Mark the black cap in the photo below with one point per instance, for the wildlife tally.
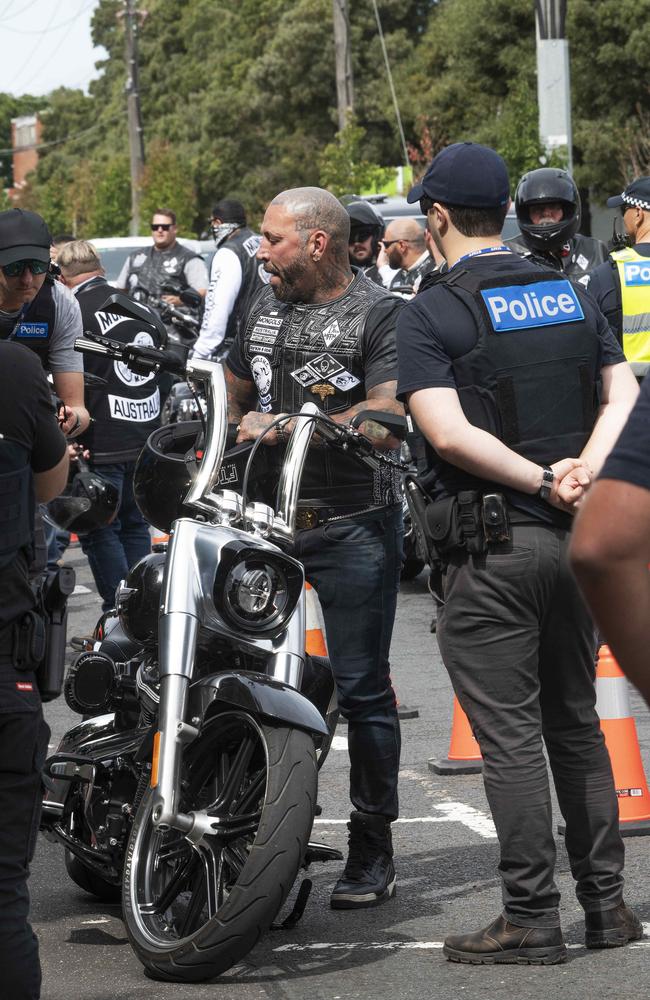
(229, 210)
(467, 175)
(637, 193)
(23, 236)
(363, 214)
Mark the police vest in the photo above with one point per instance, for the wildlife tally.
(533, 377)
(36, 326)
(245, 244)
(16, 513)
(151, 269)
(127, 408)
(314, 353)
(634, 277)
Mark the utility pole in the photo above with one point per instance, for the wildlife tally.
(344, 83)
(553, 77)
(136, 139)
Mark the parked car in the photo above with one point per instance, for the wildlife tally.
(393, 207)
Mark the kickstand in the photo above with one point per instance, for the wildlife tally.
(298, 907)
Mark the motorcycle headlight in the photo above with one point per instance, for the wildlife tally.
(257, 590)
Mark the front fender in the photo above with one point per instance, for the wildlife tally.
(257, 694)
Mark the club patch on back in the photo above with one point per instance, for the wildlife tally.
(522, 307)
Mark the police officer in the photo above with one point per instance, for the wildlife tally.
(37, 311)
(500, 363)
(235, 277)
(167, 262)
(621, 285)
(549, 211)
(324, 334)
(125, 411)
(33, 465)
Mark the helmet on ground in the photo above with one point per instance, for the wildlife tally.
(90, 502)
(538, 187)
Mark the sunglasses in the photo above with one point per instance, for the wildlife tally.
(361, 233)
(625, 208)
(166, 226)
(17, 267)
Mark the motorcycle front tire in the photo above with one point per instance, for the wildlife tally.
(244, 902)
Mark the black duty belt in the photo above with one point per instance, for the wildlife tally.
(313, 517)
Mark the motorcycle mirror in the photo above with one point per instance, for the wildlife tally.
(124, 306)
(393, 422)
(190, 297)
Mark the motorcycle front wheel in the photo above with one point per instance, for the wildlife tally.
(192, 912)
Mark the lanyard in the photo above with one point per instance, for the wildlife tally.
(479, 253)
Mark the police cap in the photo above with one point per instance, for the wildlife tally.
(465, 174)
(637, 193)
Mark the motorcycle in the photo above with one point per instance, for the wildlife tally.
(193, 793)
(181, 325)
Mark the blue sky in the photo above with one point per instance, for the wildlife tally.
(46, 44)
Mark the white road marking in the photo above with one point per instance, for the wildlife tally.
(398, 946)
(103, 920)
(340, 743)
(80, 589)
(453, 812)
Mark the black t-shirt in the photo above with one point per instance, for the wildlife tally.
(437, 327)
(629, 460)
(30, 435)
(605, 286)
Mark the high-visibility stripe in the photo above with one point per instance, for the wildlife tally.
(613, 699)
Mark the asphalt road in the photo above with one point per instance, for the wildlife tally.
(446, 858)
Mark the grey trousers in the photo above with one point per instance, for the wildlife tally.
(519, 646)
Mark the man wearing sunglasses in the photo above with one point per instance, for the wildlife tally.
(167, 262)
(407, 252)
(621, 285)
(366, 230)
(37, 311)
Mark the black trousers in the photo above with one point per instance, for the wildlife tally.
(23, 747)
(519, 646)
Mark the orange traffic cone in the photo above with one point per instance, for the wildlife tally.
(464, 753)
(619, 730)
(314, 627)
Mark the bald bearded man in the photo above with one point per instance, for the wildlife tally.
(406, 250)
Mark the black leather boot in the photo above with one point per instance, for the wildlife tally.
(508, 944)
(369, 875)
(612, 928)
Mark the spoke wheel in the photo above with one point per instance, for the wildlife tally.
(192, 911)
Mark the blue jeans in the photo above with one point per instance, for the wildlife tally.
(354, 566)
(112, 550)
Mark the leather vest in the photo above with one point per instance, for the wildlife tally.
(314, 353)
(407, 277)
(245, 244)
(35, 328)
(151, 269)
(634, 278)
(579, 257)
(127, 409)
(533, 377)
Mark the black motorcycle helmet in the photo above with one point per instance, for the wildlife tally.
(365, 221)
(138, 601)
(167, 465)
(89, 502)
(536, 188)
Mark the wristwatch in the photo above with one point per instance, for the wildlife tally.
(548, 478)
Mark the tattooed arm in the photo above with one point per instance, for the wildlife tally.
(242, 396)
(380, 397)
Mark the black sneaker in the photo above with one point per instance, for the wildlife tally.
(503, 943)
(612, 928)
(369, 875)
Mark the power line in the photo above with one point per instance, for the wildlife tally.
(390, 83)
(17, 13)
(56, 27)
(29, 61)
(67, 138)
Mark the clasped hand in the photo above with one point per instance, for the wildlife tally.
(572, 480)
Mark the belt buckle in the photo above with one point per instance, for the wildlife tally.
(306, 517)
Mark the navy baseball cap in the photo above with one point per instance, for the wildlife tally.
(23, 236)
(637, 193)
(465, 174)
